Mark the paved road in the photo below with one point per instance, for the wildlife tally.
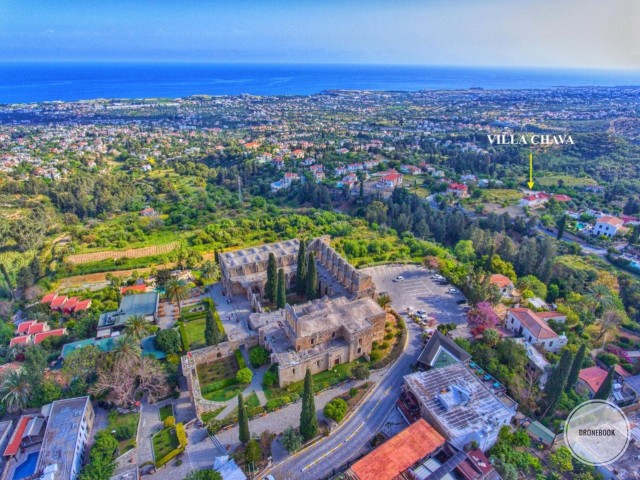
(353, 436)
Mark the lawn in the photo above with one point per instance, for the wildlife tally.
(250, 403)
(127, 422)
(223, 373)
(166, 411)
(164, 442)
(195, 332)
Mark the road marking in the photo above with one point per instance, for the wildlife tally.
(354, 432)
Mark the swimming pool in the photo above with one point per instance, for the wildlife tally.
(26, 468)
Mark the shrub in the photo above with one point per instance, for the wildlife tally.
(336, 409)
(240, 359)
(609, 359)
(125, 431)
(244, 376)
(353, 391)
(375, 355)
(270, 378)
(258, 356)
(169, 422)
(291, 440)
(218, 385)
(360, 372)
(253, 452)
(181, 434)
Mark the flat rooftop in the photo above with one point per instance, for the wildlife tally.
(61, 435)
(143, 304)
(533, 354)
(248, 256)
(329, 314)
(458, 399)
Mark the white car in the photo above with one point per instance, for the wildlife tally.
(453, 290)
(421, 312)
(399, 278)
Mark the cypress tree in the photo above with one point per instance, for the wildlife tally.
(209, 330)
(308, 418)
(311, 290)
(272, 278)
(301, 272)
(605, 389)
(243, 421)
(576, 366)
(557, 382)
(281, 290)
(561, 226)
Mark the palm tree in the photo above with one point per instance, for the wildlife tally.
(137, 327)
(600, 298)
(609, 323)
(176, 292)
(210, 270)
(126, 347)
(15, 391)
(384, 301)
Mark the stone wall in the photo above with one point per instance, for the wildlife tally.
(318, 363)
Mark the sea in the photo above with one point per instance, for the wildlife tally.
(38, 82)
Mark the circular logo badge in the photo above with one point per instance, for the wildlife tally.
(597, 432)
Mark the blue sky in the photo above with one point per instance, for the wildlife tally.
(565, 33)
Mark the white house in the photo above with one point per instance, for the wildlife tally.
(607, 226)
(504, 284)
(533, 329)
(458, 190)
(390, 180)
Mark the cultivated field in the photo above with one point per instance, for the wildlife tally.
(113, 254)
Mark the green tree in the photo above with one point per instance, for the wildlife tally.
(301, 272)
(557, 381)
(7, 279)
(137, 327)
(561, 460)
(210, 330)
(176, 292)
(308, 418)
(336, 409)
(168, 341)
(126, 347)
(561, 226)
(464, 251)
(576, 366)
(210, 270)
(292, 440)
(244, 376)
(252, 454)
(281, 291)
(311, 290)
(15, 390)
(605, 389)
(384, 301)
(272, 278)
(243, 421)
(360, 372)
(98, 468)
(258, 356)
(206, 474)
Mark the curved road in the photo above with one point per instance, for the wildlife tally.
(344, 444)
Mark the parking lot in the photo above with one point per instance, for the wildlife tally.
(418, 291)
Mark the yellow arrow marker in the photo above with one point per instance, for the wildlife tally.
(530, 183)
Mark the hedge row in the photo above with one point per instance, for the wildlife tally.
(219, 384)
(279, 402)
(181, 434)
(183, 337)
(240, 359)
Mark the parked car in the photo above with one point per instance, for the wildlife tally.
(399, 278)
(453, 290)
(421, 312)
(462, 301)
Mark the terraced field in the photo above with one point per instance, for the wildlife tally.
(113, 254)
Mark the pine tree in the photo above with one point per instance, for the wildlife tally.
(281, 290)
(311, 290)
(605, 389)
(272, 278)
(301, 272)
(561, 226)
(557, 381)
(243, 421)
(308, 418)
(576, 366)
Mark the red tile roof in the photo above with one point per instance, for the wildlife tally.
(24, 326)
(457, 186)
(82, 305)
(613, 221)
(621, 371)
(593, 376)
(562, 198)
(58, 332)
(391, 177)
(23, 340)
(399, 452)
(58, 302)
(500, 280)
(48, 298)
(16, 438)
(133, 288)
(533, 323)
(70, 304)
(37, 328)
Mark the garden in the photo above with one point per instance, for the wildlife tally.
(193, 325)
(125, 428)
(218, 380)
(169, 442)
